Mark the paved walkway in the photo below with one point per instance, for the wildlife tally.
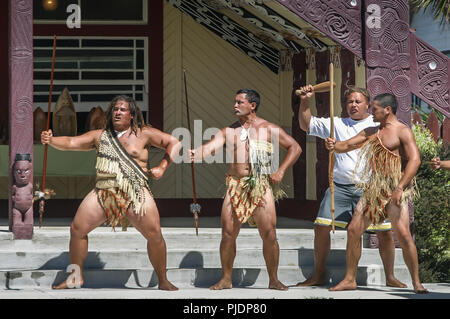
(436, 291)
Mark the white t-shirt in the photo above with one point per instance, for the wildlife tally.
(344, 129)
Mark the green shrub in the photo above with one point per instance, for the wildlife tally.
(432, 211)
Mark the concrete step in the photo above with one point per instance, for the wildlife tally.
(188, 278)
(57, 238)
(177, 258)
(119, 259)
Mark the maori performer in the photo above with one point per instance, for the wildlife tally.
(346, 194)
(253, 183)
(122, 192)
(389, 158)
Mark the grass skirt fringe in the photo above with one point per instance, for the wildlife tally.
(381, 173)
(247, 194)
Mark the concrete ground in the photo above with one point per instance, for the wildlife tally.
(436, 291)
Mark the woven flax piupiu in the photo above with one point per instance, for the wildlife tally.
(247, 192)
(381, 173)
(120, 181)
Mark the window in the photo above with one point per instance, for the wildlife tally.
(94, 12)
(94, 69)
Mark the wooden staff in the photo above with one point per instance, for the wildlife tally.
(331, 153)
(44, 170)
(194, 207)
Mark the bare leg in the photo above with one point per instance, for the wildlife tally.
(355, 230)
(322, 246)
(149, 226)
(266, 220)
(387, 253)
(89, 216)
(400, 223)
(230, 230)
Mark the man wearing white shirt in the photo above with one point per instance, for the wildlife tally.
(346, 196)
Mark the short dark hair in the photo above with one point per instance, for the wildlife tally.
(251, 95)
(354, 89)
(387, 99)
(136, 122)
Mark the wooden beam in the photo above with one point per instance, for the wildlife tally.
(306, 27)
(262, 35)
(286, 34)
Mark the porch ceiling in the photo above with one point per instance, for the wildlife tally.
(262, 29)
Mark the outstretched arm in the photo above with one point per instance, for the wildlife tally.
(350, 144)
(436, 163)
(84, 142)
(210, 147)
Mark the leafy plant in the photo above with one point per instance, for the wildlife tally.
(439, 8)
(432, 210)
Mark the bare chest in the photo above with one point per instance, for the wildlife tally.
(390, 140)
(134, 146)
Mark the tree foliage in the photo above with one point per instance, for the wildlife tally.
(432, 210)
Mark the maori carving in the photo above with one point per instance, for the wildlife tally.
(348, 76)
(340, 20)
(388, 52)
(20, 113)
(64, 116)
(430, 75)
(22, 196)
(261, 44)
(96, 119)
(230, 31)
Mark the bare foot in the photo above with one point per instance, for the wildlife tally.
(167, 285)
(69, 284)
(313, 281)
(394, 282)
(344, 285)
(277, 285)
(419, 289)
(222, 284)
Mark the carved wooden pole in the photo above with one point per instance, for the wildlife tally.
(20, 113)
(387, 57)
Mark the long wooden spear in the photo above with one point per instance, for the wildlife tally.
(195, 207)
(44, 170)
(331, 153)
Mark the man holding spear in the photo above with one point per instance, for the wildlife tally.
(252, 182)
(346, 196)
(121, 192)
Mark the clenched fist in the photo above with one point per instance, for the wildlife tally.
(46, 137)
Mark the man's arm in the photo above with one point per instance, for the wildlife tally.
(304, 112)
(84, 142)
(412, 154)
(164, 141)
(210, 147)
(293, 152)
(350, 144)
(436, 163)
